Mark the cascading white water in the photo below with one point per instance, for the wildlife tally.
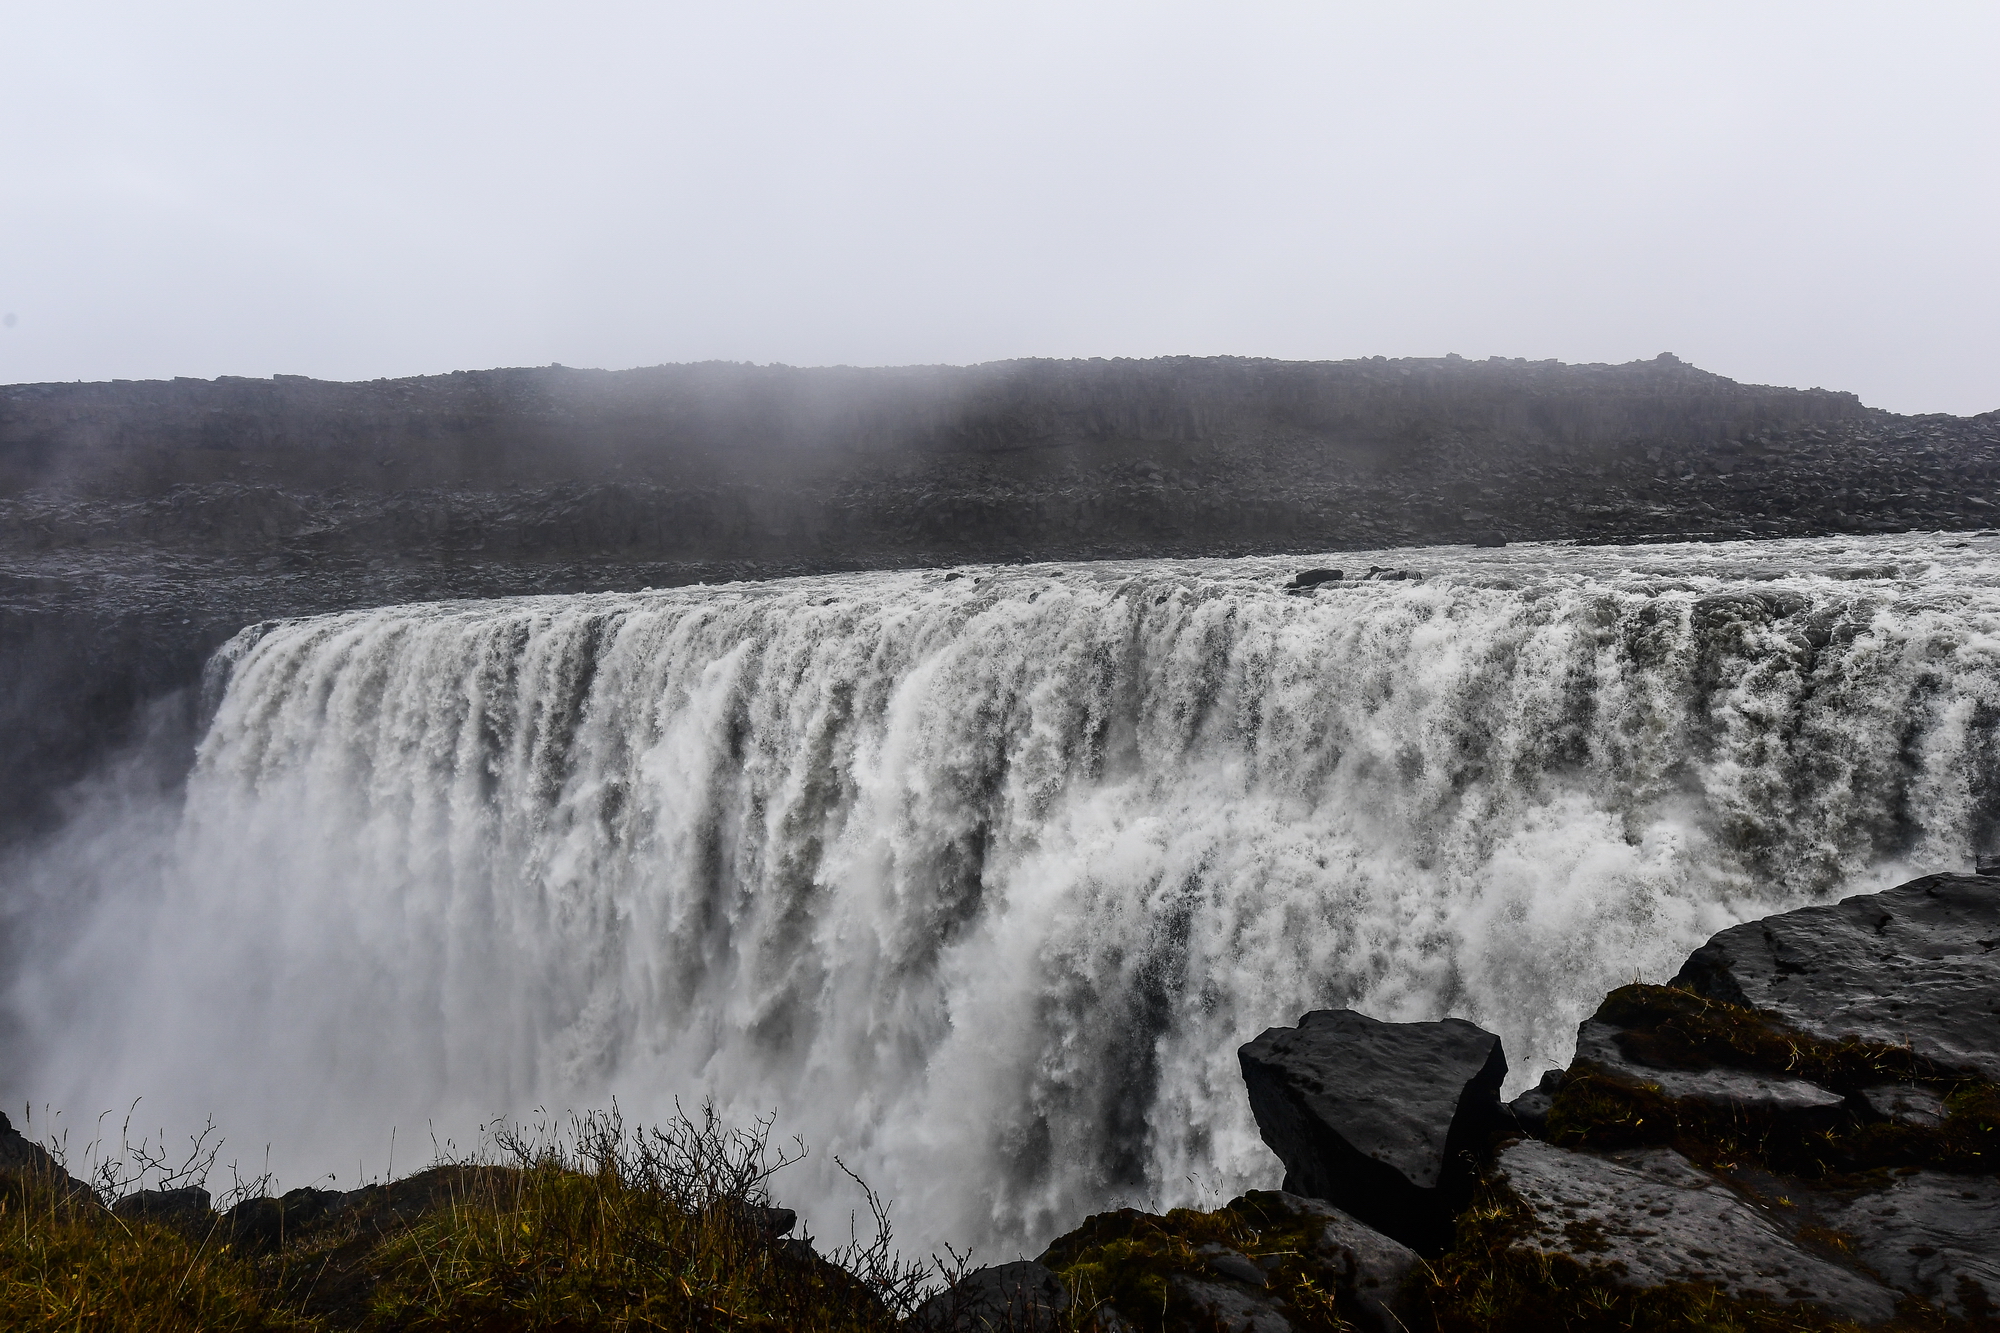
(978, 882)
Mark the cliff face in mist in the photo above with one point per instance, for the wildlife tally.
(729, 462)
(143, 522)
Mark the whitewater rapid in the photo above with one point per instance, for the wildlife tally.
(977, 880)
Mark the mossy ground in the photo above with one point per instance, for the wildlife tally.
(66, 1263)
(1127, 1260)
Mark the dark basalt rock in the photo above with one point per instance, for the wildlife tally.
(186, 1208)
(1917, 965)
(1646, 1218)
(1933, 1235)
(1383, 1120)
(1530, 1110)
(1006, 1298)
(1369, 1270)
(261, 1226)
(1308, 579)
(1900, 1104)
(1268, 1262)
(1767, 1096)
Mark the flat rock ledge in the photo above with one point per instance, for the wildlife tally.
(1648, 1217)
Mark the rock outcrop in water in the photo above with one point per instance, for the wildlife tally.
(141, 523)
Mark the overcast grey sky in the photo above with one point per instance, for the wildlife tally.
(1788, 193)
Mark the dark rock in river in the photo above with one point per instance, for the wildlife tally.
(1918, 965)
(1308, 579)
(1383, 1120)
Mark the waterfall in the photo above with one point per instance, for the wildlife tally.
(978, 880)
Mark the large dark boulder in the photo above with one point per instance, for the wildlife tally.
(264, 1225)
(1382, 1120)
(1917, 965)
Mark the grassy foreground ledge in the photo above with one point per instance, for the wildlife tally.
(596, 1229)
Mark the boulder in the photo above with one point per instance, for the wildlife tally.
(1307, 579)
(1006, 1298)
(186, 1208)
(262, 1225)
(1383, 1120)
(1226, 1307)
(1531, 1109)
(1916, 965)
(1267, 1262)
(1647, 1218)
(1367, 1271)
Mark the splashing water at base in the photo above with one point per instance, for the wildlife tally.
(979, 882)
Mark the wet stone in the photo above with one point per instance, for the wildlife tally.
(1902, 1104)
(1715, 1087)
(1917, 965)
(1382, 1120)
(1647, 1218)
(1934, 1235)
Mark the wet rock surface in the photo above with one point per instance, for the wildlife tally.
(1647, 1218)
(1380, 1119)
(1918, 965)
(1933, 1235)
(1717, 1088)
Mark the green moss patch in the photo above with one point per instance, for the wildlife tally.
(1127, 1260)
